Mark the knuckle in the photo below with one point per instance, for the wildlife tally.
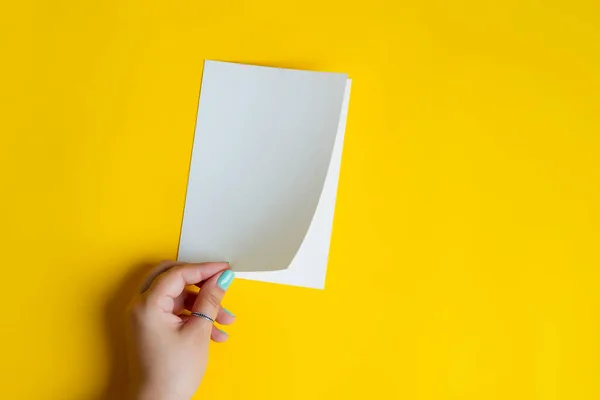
(149, 299)
(211, 298)
(176, 268)
(148, 302)
(138, 311)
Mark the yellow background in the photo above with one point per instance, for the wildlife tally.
(465, 254)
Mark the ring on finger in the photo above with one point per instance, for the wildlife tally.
(200, 315)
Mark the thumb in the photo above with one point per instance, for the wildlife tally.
(208, 303)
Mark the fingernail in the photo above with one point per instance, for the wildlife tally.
(225, 279)
(222, 331)
(228, 312)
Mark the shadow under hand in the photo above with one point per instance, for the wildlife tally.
(116, 328)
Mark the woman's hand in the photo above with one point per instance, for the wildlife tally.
(171, 346)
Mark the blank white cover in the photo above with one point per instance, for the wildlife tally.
(309, 267)
(263, 144)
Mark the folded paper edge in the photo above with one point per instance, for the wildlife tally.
(320, 228)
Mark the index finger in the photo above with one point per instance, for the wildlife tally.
(172, 282)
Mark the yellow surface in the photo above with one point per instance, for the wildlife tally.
(465, 254)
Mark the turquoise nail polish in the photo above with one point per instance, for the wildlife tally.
(225, 279)
(228, 312)
(222, 331)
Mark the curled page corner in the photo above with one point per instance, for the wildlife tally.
(263, 145)
(309, 266)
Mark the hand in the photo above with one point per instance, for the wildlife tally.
(170, 346)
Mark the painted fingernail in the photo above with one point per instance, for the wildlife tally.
(225, 279)
(228, 312)
(222, 331)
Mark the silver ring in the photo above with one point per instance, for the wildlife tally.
(206, 317)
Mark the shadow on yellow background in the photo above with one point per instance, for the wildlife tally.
(119, 385)
(464, 258)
